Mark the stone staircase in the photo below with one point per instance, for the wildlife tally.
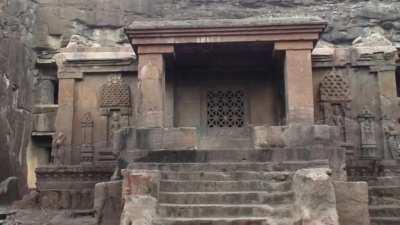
(384, 204)
(210, 189)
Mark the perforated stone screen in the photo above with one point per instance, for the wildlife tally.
(225, 108)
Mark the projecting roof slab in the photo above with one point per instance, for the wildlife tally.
(227, 30)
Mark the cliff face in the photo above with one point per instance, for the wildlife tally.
(16, 78)
(101, 20)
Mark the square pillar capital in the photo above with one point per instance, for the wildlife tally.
(155, 49)
(293, 45)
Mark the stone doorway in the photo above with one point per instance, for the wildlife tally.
(223, 89)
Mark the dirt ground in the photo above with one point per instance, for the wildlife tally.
(47, 217)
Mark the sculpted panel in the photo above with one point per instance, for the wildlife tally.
(335, 95)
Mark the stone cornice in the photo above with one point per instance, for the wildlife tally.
(220, 31)
(74, 62)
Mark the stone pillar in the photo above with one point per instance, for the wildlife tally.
(389, 108)
(151, 85)
(298, 81)
(65, 115)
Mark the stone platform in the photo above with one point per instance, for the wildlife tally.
(70, 187)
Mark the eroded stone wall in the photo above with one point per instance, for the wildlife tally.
(17, 19)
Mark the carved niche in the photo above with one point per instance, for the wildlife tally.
(87, 147)
(368, 137)
(115, 104)
(335, 96)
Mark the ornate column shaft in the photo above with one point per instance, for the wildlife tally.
(151, 85)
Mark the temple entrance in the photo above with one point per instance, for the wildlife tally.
(222, 89)
(229, 85)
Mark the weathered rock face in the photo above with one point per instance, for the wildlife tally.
(315, 197)
(107, 202)
(101, 21)
(352, 203)
(8, 190)
(17, 20)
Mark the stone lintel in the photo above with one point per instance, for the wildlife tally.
(225, 31)
(293, 45)
(155, 49)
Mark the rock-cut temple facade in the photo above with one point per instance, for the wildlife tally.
(222, 122)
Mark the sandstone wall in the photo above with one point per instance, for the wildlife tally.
(17, 19)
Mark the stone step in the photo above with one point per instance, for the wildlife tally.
(222, 210)
(385, 220)
(374, 201)
(384, 211)
(226, 198)
(223, 155)
(224, 221)
(230, 166)
(233, 175)
(384, 191)
(223, 186)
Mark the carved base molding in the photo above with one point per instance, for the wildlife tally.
(69, 187)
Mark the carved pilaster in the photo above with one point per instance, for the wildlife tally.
(368, 135)
(87, 147)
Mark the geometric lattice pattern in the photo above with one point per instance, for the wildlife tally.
(335, 88)
(115, 93)
(225, 109)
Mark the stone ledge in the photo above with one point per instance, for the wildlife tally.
(222, 23)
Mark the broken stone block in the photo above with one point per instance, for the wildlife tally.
(139, 190)
(315, 197)
(108, 202)
(140, 182)
(139, 210)
(352, 203)
(9, 191)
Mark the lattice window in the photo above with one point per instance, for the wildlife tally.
(335, 87)
(115, 93)
(225, 109)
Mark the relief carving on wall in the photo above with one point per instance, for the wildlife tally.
(115, 104)
(87, 147)
(335, 97)
(392, 138)
(368, 135)
(58, 149)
